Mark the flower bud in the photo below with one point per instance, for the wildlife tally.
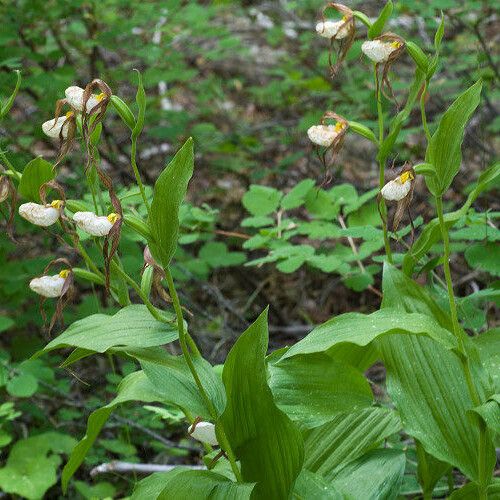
(325, 135)
(379, 51)
(74, 97)
(50, 286)
(204, 432)
(399, 188)
(96, 225)
(54, 128)
(41, 215)
(331, 29)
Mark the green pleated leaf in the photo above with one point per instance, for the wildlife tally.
(311, 389)
(134, 387)
(361, 329)
(471, 492)
(311, 486)
(374, 476)
(426, 382)
(266, 442)
(169, 191)
(132, 326)
(204, 485)
(444, 149)
(429, 469)
(345, 438)
(488, 344)
(35, 173)
(378, 26)
(173, 379)
(490, 412)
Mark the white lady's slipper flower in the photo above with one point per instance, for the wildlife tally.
(330, 29)
(41, 215)
(325, 135)
(96, 225)
(74, 96)
(204, 432)
(50, 286)
(379, 51)
(53, 127)
(399, 188)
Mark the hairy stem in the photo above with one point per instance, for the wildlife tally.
(422, 112)
(187, 356)
(133, 162)
(381, 181)
(461, 339)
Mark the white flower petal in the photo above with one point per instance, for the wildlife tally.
(40, 215)
(96, 225)
(205, 432)
(378, 51)
(322, 135)
(396, 190)
(53, 127)
(48, 286)
(74, 96)
(329, 29)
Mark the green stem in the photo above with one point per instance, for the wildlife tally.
(423, 114)
(461, 339)
(4, 158)
(133, 154)
(187, 356)
(381, 165)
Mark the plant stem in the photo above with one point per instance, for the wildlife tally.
(133, 154)
(4, 158)
(187, 356)
(423, 114)
(461, 339)
(381, 165)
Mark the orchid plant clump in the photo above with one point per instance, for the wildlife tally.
(300, 422)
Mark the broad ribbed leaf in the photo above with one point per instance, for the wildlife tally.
(375, 476)
(266, 442)
(490, 412)
(37, 172)
(171, 376)
(426, 382)
(444, 149)
(311, 389)
(134, 387)
(169, 191)
(311, 486)
(361, 329)
(132, 326)
(330, 447)
(204, 485)
(378, 26)
(488, 344)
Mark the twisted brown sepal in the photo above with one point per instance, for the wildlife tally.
(70, 124)
(63, 298)
(97, 112)
(344, 43)
(386, 66)
(7, 184)
(158, 275)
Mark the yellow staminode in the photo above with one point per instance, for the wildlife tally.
(339, 126)
(396, 45)
(57, 204)
(113, 217)
(406, 176)
(100, 96)
(64, 273)
(69, 114)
